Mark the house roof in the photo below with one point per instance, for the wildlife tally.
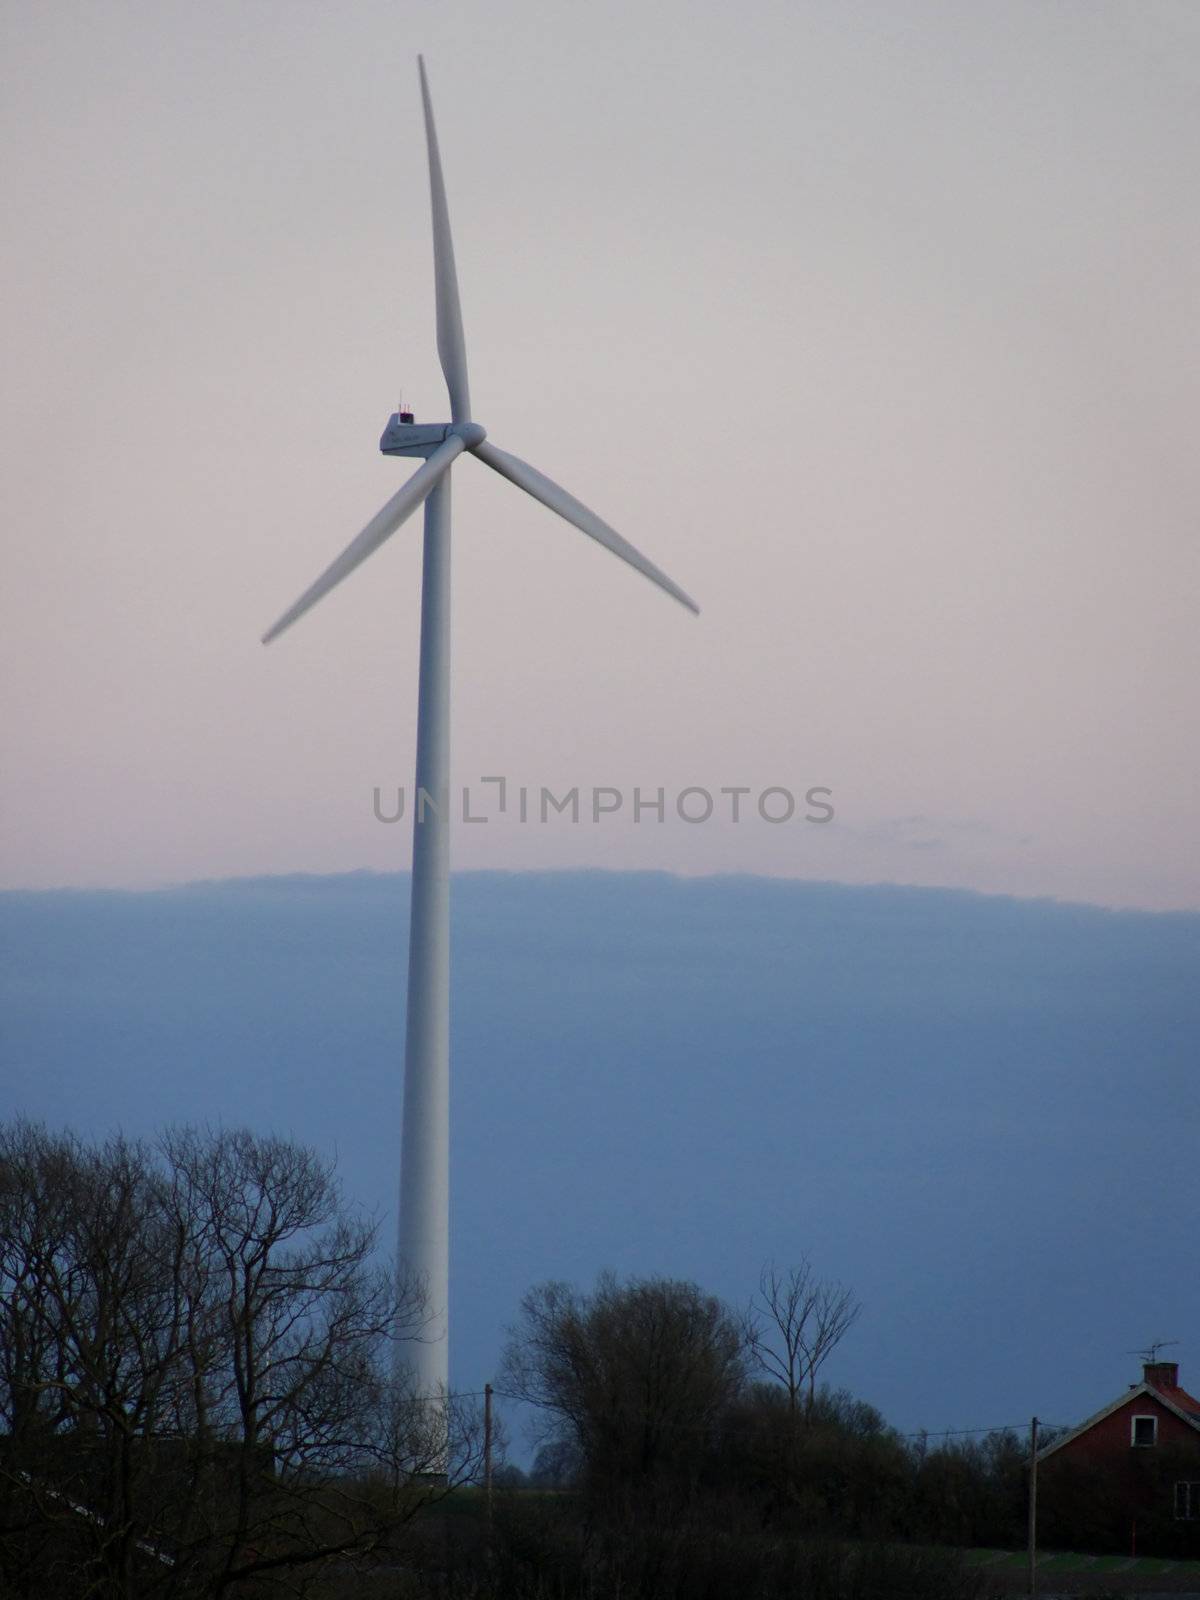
(1176, 1400)
(1179, 1397)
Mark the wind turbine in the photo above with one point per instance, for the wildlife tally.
(424, 1233)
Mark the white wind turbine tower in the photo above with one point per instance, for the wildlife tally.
(424, 1236)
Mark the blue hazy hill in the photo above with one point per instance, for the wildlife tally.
(979, 1112)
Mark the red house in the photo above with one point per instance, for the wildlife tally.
(1129, 1477)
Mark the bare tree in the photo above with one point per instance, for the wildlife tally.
(91, 1314)
(197, 1376)
(794, 1324)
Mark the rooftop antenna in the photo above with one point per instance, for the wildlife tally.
(424, 1240)
(1150, 1353)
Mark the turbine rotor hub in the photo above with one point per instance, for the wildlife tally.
(471, 433)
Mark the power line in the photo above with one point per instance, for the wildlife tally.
(694, 1427)
(1003, 1427)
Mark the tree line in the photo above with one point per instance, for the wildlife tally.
(203, 1393)
(661, 1404)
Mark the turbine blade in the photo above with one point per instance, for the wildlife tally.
(381, 526)
(451, 346)
(541, 488)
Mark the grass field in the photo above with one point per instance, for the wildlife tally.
(1051, 1563)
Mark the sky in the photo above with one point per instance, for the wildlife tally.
(876, 325)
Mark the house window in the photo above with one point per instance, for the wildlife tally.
(1187, 1502)
(1143, 1431)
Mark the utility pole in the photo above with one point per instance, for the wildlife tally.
(1033, 1438)
(487, 1456)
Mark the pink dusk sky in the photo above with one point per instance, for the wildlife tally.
(876, 325)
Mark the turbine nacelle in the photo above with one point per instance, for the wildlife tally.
(402, 438)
